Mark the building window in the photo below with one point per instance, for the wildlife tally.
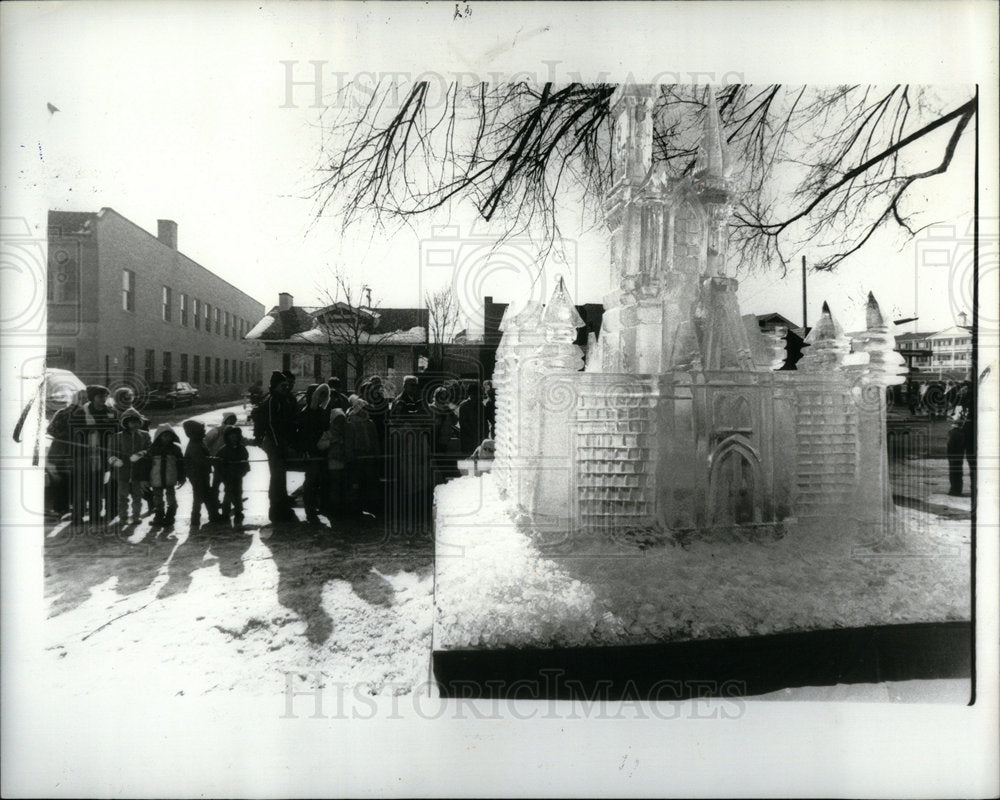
(128, 290)
(150, 371)
(196, 367)
(167, 368)
(167, 304)
(129, 360)
(184, 366)
(208, 369)
(226, 328)
(184, 310)
(218, 370)
(390, 362)
(225, 370)
(63, 276)
(208, 317)
(286, 362)
(196, 313)
(218, 320)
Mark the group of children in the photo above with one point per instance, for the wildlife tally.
(212, 459)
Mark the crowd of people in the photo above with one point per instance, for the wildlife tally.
(368, 452)
(363, 453)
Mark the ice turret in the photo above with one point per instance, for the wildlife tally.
(886, 367)
(712, 163)
(827, 345)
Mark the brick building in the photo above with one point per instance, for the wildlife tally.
(126, 307)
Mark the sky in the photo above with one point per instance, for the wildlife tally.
(180, 111)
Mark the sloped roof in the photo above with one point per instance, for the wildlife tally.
(299, 324)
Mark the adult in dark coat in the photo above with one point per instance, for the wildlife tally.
(275, 430)
(59, 458)
(313, 423)
(961, 445)
(91, 428)
(472, 424)
(410, 433)
(337, 398)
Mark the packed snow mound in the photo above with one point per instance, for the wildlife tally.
(501, 591)
(499, 585)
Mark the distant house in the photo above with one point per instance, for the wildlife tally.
(317, 342)
(915, 348)
(945, 354)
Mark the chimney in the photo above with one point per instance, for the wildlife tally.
(166, 232)
(284, 301)
(963, 319)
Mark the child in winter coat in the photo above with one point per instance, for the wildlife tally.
(332, 444)
(198, 468)
(232, 462)
(166, 473)
(213, 441)
(129, 459)
(361, 454)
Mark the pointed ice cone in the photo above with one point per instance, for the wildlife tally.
(826, 329)
(873, 314)
(560, 310)
(712, 162)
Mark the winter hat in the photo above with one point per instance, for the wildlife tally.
(288, 376)
(277, 377)
(231, 432)
(229, 419)
(131, 413)
(95, 389)
(163, 428)
(320, 397)
(195, 430)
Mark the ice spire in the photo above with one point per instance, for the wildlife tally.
(560, 317)
(827, 344)
(886, 367)
(712, 163)
(873, 314)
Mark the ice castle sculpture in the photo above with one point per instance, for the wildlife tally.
(679, 419)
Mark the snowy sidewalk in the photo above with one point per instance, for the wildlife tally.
(183, 612)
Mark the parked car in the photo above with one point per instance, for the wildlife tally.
(61, 387)
(172, 394)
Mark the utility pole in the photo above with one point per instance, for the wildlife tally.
(805, 323)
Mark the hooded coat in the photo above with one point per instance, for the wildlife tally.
(213, 439)
(91, 430)
(314, 420)
(197, 464)
(126, 445)
(232, 461)
(332, 441)
(167, 461)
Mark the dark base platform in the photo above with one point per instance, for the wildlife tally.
(711, 668)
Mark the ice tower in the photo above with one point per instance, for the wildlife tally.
(679, 419)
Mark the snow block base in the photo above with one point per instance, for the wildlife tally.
(712, 668)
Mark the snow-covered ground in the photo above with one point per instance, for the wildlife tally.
(499, 586)
(193, 613)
